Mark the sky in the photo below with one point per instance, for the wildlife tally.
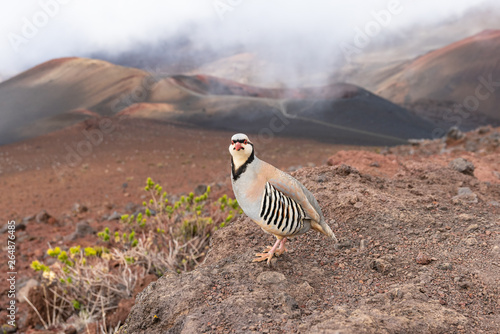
(32, 32)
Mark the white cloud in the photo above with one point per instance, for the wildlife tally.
(293, 27)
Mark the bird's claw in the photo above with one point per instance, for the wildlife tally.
(262, 257)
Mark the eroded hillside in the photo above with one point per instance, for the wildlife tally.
(419, 252)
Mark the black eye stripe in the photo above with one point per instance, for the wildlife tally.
(240, 141)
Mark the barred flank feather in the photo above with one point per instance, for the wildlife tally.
(281, 212)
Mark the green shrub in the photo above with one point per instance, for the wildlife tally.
(82, 282)
(189, 221)
(167, 237)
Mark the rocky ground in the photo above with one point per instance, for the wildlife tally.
(68, 205)
(419, 252)
(419, 231)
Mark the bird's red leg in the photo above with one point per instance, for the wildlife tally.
(267, 256)
(282, 248)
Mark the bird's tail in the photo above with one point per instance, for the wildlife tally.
(323, 227)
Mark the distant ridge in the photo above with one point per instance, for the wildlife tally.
(452, 73)
(62, 92)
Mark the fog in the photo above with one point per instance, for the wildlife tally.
(300, 35)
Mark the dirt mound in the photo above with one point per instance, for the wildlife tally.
(481, 147)
(415, 256)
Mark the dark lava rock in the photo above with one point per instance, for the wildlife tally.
(454, 133)
(344, 244)
(80, 208)
(83, 229)
(200, 189)
(380, 265)
(114, 216)
(345, 170)
(463, 166)
(445, 266)
(465, 195)
(42, 217)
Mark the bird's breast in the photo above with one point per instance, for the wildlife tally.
(248, 192)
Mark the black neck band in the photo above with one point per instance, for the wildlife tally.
(237, 173)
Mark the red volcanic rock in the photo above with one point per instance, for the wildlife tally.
(423, 259)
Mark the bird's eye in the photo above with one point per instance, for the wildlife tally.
(245, 142)
(232, 142)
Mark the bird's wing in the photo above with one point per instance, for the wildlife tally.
(292, 188)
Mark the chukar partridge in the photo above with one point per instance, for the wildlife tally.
(276, 201)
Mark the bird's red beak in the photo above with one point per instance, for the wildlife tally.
(237, 146)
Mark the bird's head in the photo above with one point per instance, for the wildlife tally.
(241, 148)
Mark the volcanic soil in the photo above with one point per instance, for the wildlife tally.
(419, 252)
(419, 247)
(41, 174)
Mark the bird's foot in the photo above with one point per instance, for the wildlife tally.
(279, 251)
(267, 255)
(263, 256)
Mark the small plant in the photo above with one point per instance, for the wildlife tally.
(76, 304)
(163, 237)
(37, 266)
(185, 224)
(84, 283)
(126, 240)
(54, 252)
(104, 235)
(90, 251)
